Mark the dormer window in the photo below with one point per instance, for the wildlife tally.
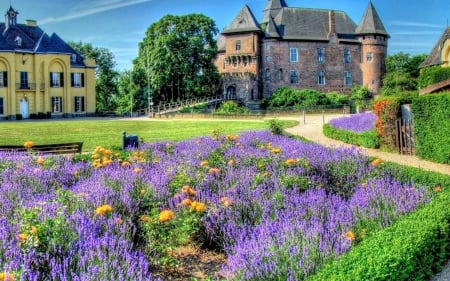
(18, 41)
(74, 58)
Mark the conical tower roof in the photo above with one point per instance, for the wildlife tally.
(272, 8)
(243, 22)
(371, 23)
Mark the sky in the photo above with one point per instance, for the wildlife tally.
(119, 25)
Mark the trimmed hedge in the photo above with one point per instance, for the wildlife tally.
(367, 139)
(433, 74)
(414, 248)
(432, 127)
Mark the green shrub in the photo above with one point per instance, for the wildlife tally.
(432, 127)
(367, 139)
(231, 107)
(432, 75)
(413, 248)
(275, 127)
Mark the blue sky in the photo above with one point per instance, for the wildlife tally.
(119, 25)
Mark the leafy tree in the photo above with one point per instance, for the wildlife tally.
(176, 58)
(106, 76)
(402, 72)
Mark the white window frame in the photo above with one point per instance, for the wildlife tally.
(293, 54)
(348, 78)
(321, 80)
(369, 57)
(320, 55)
(57, 104)
(347, 56)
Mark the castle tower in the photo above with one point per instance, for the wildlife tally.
(374, 40)
(238, 58)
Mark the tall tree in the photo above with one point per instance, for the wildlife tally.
(176, 58)
(106, 76)
(402, 72)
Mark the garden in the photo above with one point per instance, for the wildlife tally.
(277, 207)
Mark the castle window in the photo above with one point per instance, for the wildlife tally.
(56, 104)
(74, 58)
(79, 104)
(320, 54)
(293, 76)
(267, 74)
(347, 78)
(347, 57)
(267, 58)
(280, 74)
(3, 79)
(321, 78)
(369, 57)
(77, 80)
(293, 55)
(1, 105)
(56, 79)
(238, 45)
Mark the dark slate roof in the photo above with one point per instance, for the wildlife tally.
(243, 22)
(434, 58)
(371, 23)
(312, 24)
(34, 40)
(272, 8)
(271, 29)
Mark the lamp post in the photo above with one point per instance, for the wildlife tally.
(131, 93)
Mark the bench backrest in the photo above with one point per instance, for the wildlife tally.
(57, 148)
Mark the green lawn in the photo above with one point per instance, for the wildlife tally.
(108, 133)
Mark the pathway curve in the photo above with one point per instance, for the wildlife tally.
(310, 127)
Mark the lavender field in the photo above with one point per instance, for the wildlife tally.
(277, 207)
(358, 123)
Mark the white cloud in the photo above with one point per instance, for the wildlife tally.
(416, 24)
(86, 8)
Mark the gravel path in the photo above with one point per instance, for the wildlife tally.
(310, 127)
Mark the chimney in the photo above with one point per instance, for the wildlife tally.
(31, 22)
(331, 22)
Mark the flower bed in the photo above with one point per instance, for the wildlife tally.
(358, 129)
(278, 207)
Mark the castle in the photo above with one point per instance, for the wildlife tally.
(300, 48)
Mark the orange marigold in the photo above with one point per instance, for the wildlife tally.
(22, 237)
(28, 144)
(166, 215)
(103, 210)
(40, 160)
(214, 171)
(186, 202)
(6, 276)
(290, 161)
(204, 163)
(350, 235)
(376, 162)
(198, 207)
(226, 201)
(145, 218)
(437, 188)
(275, 150)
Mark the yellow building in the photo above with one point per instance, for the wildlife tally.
(41, 76)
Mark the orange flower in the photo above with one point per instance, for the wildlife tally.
(40, 160)
(275, 150)
(376, 162)
(198, 207)
(119, 221)
(187, 189)
(6, 276)
(125, 164)
(437, 188)
(143, 191)
(186, 202)
(137, 170)
(145, 218)
(204, 163)
(22, 237)
(226, 201)
(28, 144)
(103, 210)
(350, 235)
(33, 230)
(214, 171)
(166, 215)
(290, 161)
(231, 162)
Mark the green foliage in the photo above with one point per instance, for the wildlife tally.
(402, 72)
(275, 126)
(231, 107)
(106, 76)
(199, 108)
(432, 75)
(306, 98)
(432, 127)
(367, 139)
(407, 250)
(176, 56)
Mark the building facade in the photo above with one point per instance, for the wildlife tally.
(300, 48)
(41, 76)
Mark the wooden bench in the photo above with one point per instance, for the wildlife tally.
(58, 148)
